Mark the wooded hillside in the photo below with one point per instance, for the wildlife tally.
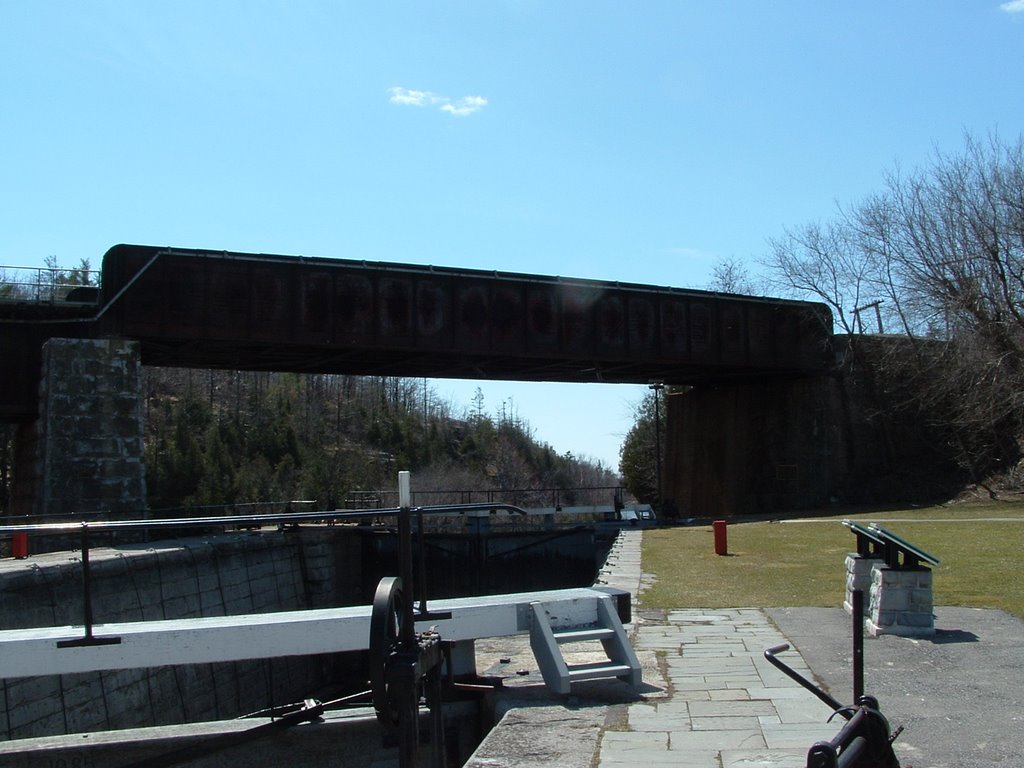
(224, 437)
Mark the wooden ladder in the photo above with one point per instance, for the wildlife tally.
(556, 623)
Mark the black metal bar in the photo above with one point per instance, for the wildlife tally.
(214, 521)
(792, 673)
(846, 748)
(892, 554)
(854, 727)
(408, 731)
(858, 645)
(422, 561)
(407, 635)
(311, 711)
(84, 529)
(434, 703)
(656, 387)
(850, 757)
(422, 614)
(88, 638)
(86, 584)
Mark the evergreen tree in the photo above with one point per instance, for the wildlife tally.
(638, 459)
(242, 437)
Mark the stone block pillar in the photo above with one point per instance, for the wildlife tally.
(901, 601)
(858, 576)
(89, 447)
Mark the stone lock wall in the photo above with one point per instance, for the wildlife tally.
(220, 575)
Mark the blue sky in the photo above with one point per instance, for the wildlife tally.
(642, 142)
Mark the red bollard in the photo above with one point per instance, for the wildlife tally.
(19, 545)
(721, 538)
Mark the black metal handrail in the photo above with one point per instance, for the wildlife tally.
(86, 529)
(557, 495)
(47, 285)
(102, 526)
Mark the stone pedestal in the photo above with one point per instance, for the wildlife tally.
(901, 602)
(858, 576)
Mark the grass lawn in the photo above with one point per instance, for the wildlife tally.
(801, 562)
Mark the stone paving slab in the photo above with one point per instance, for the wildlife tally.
(958, 693)
(718, 701)
(709, 698)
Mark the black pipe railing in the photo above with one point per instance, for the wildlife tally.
(87, 530)
(49, 285)
(555, 497)
(282, 518)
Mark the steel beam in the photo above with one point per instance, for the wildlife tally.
(261, 311)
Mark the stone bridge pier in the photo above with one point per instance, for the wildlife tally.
(732, 448)
(84, 452)
(752, 446)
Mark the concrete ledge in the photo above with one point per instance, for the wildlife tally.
(344, 739)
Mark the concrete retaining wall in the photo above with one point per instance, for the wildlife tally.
(240, 573)
(339, 739)
(220, 575)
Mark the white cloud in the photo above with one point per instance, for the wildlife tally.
(1014, 6)
(412, 98)
(409, 97)
(465, 106)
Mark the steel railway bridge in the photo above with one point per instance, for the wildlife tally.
(216, 309)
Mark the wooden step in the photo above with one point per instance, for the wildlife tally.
(603, 624)
(584, 634)
(598, 671)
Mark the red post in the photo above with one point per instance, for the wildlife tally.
(721, 538)
(19, 545)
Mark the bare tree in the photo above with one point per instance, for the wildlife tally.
(822, 262)
(940, 253)
(731, 276)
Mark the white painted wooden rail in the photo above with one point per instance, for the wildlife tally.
(35, 652)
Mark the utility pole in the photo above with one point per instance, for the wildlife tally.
(656, 387)
(875, 305)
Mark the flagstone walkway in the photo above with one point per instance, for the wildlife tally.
(709, 698)
(724, 705)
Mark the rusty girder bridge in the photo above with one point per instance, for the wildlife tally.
(216, 309)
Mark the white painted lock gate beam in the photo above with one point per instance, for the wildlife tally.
(35, 652)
